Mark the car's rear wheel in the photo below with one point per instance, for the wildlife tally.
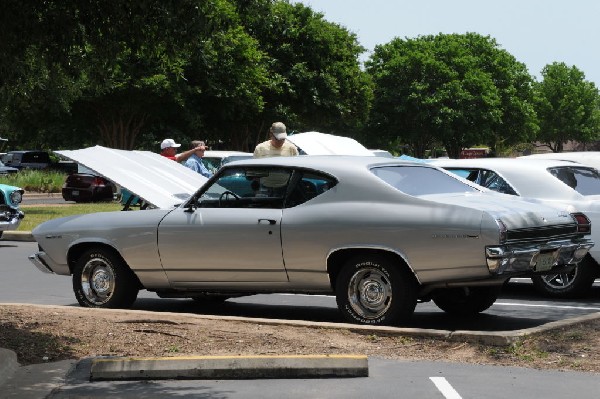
(466, 301)
(102, 280)
(568, 285)
(374, 290)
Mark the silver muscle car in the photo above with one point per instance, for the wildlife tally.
(380, 234)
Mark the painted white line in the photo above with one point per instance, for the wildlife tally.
(445, 388)
(532, 305)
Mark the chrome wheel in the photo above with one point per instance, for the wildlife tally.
(97, 281)
(560, 281)
(370, 293)
(573, 284)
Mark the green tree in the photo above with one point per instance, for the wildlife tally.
(459, 90)
(315, 79)
(567, 106)
(112, 71)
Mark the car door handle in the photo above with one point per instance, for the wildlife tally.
(270, 221)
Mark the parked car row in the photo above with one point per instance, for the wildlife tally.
(378, 233)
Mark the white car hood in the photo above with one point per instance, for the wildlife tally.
(315, 143)
(158, 180)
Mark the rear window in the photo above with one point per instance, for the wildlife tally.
(586, 181)
(35, 157)
(419, 180)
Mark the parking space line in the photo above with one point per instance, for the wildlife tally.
(445, 388)
(533, 305)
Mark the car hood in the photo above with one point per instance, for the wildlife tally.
(159, 181)
(315, 143)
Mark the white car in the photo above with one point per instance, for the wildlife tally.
(213, 160)
(568, 184)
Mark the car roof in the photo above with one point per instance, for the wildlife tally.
(589, 158)
(529, 177)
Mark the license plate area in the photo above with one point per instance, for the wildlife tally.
(544, 262)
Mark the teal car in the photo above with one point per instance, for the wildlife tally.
(10, 214)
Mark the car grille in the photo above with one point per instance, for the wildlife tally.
(538, 233)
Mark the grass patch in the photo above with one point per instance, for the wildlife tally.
(42, 181)
(36, 214)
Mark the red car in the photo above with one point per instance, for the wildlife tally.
(87, 186)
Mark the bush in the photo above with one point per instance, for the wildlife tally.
(43, 181)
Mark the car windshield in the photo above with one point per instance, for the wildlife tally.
(419, 180)
(212, 163)
(586, 181)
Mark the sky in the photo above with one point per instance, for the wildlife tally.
(535, 32)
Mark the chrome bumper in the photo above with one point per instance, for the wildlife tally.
(514, 258)
(39, 263)
(10, 221)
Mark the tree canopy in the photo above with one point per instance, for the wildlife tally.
(567, 105)
(125, 74)
(459, 90)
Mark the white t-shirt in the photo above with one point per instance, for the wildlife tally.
(266, 149)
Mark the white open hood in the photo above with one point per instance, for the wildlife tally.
(158, 180)
(315, 143)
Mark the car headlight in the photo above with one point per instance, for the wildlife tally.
(16, 197)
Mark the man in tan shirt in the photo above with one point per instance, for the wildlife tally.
(277, 146)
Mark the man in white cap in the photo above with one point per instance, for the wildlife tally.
(277, 146)
(168, 149)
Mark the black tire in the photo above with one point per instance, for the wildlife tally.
(374, 290)
(466, 301)
(102, 280)
(574, 284)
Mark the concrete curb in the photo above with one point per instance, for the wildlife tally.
(8, 364)
(17, 236)
(229, 367)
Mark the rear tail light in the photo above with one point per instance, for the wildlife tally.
(503, 230)
(584, 225)
(98, 181)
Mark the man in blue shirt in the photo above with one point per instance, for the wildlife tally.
(194, 162)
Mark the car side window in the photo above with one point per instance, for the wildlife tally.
(247, 187)
(586, 181)
(306, 186)
(486, 178)
(495, 182)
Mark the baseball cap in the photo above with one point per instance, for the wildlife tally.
(278, 130)
(166, 143)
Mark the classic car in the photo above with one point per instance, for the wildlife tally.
(570, 185)
(378, 233)
(10, 214)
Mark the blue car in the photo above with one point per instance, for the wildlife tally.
(10, 214)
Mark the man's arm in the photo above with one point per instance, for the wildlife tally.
(183, 156)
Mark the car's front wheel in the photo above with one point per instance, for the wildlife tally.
(374, 290)
(102, 280)
(568, 285)
(466, 301)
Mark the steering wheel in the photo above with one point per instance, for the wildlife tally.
(226, 195)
